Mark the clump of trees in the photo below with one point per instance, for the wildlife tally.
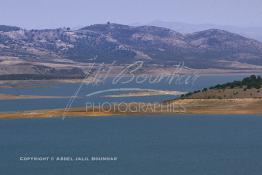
(248, 83)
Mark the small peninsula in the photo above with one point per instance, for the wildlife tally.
(249, 87)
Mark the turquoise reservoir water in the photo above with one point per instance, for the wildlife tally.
(144, 145)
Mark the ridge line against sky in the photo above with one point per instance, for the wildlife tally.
(39, 14)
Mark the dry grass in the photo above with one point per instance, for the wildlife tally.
(17, 97)
(227, 94)
(185, 106)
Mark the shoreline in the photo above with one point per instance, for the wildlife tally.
(183, 106)
(153, 71)
(24, 97)
(6, 84)
(146, 92)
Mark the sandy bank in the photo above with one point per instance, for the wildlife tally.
(186, 106)
(18, 97)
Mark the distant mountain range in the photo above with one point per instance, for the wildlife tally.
(212, 48)
(249, 32)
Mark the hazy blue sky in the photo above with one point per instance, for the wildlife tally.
(74, 13)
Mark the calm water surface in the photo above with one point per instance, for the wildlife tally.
(144, 145)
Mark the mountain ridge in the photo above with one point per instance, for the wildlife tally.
(106, 43)
(253, 32)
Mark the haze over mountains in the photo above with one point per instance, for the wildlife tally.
(249, 32)
(212, 48)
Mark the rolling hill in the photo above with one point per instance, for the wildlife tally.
(105, 43)
(249, 87)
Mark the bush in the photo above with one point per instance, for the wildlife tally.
(204, 90)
